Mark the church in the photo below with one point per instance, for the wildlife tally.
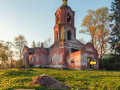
(67, 51)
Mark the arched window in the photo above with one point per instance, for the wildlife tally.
(68, 18)
(58, 19)
(56, 35)
(69, 35)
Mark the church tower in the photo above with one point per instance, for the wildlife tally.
(64, 29)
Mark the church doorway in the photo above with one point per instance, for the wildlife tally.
(89, 59)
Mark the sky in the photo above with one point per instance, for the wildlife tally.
(35, 19)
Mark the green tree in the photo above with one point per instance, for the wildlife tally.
(115, 34)
(96, 24)
(4, 58)
(19, 43)
(5, 51)
(33, 44)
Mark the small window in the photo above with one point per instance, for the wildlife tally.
(58, 20)
(72, 61)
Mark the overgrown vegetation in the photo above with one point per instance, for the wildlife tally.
(81, 80)
(111, 62)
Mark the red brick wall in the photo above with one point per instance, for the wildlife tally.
(41, 56)
(56, 56)
(89, 51)
(76, 57)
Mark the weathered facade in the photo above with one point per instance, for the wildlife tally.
(66, 51)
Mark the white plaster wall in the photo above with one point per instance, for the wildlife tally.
(57, 58)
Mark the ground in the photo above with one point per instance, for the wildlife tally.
(79, 80)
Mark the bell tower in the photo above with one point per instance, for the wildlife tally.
(64, 29)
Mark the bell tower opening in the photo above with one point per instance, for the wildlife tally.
(64, 17)
(68, 18)
(56, 35)
(57, 20)
(69, 35)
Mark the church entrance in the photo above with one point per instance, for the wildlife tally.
(89, 59)
(69, 35)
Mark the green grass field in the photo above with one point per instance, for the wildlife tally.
(77, 80)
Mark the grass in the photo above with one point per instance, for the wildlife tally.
(81, 80)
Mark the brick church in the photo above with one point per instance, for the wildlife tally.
(67, 51)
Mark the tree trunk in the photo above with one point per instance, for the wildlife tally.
(20, 58)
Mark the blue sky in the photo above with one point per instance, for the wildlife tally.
(35, 19)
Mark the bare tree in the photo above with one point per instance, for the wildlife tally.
(48, 42)
(38, 44)
(20, 42)
(96, 24)
(5, 50)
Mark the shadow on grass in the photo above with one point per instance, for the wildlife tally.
(32, 87)
(14, 73)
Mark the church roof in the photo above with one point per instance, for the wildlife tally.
(63, 7)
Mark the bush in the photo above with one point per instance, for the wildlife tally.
(31, 65)
(110, 63)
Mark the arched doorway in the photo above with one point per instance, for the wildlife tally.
(89, 59)
(69, 35)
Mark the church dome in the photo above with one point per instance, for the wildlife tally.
(64, 7)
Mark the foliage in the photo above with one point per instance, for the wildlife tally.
(16, 63)
(5, 53)
(111, 62)
(115, 34)
(81, 80)
(96, 24)
(4, 58)
(19, 43)
(33, 44)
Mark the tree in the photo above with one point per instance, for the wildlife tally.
(82, 40)
(4, 58)
(5, 49)
(47, 42)
(19, 43)
(38, 44)
(96, 24)
(33, 44)
(115, 34)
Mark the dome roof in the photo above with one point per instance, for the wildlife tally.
(63, 7)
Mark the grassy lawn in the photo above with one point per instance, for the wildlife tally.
(80, 80)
